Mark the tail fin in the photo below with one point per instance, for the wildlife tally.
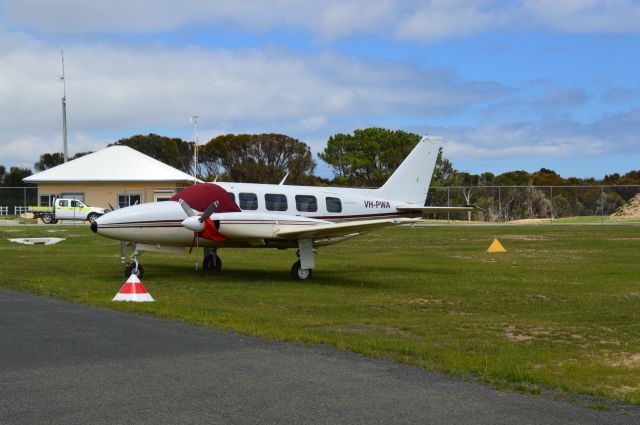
(410, 182)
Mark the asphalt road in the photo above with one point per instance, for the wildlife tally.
(69, 364)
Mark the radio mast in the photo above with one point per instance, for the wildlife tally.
(64, 110)
(194, 120)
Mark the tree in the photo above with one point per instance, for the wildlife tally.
(369, 156)
(258, 158)
(172, 151)
(443, 171)
(50, 160)
(14, 177)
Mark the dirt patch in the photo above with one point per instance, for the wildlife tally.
(628, 360)
(426, 301)
(370, 329)
(530, 221)
(512, 333)
(524, 237)
(630, 209)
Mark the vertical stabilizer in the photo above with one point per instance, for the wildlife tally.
(410, 182)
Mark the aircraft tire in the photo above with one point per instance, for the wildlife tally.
(209, 265)
(128, 270)
(298, 273)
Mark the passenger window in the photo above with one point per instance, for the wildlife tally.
(233, 197)
(63, 203)
(248, 201)
(334, 205)
(306, 203)
(275, 202)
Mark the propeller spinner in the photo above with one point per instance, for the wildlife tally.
(194, 222)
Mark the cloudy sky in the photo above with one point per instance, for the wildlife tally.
(508, 84)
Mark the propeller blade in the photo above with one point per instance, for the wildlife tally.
(187, 209)
(210, 210)
(112, 207)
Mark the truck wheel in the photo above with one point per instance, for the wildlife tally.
(47, 218)
(93, 217)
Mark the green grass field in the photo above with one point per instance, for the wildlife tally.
(560, 309)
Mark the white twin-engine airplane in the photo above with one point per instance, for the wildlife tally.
(246, 215)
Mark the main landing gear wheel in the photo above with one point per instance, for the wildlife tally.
(298, 273)
(212, 263)
(130, 269)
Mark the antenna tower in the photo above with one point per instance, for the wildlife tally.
(64, 110)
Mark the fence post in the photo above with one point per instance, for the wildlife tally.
(551, 204)
(448, 204)
(499, 205)
(601, 204)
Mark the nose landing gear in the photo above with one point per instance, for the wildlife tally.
(134, 267)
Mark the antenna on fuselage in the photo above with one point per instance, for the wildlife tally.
(283, 179)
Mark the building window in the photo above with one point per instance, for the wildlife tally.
(73, 195)
(334, 205)
(46, 200)
(306, 203)
(128, 199)
(248, 201)
(162, 195)
(275, 202)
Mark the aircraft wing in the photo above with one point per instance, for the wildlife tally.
(313, 231)
(438, 209)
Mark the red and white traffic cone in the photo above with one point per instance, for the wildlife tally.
(133, 290)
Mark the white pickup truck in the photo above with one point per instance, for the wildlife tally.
(66, 209)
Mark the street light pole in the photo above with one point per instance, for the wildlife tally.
(194, 119)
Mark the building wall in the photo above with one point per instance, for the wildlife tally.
(103, 194)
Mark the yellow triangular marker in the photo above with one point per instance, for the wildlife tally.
(496, 246)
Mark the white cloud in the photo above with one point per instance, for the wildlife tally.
(548, 138)
(446, 18)
(421, 20)
(586, 16)
(122, 90)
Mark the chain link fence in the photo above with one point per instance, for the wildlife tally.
(552, 203)
(496, 204)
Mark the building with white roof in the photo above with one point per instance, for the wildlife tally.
(114, 175)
